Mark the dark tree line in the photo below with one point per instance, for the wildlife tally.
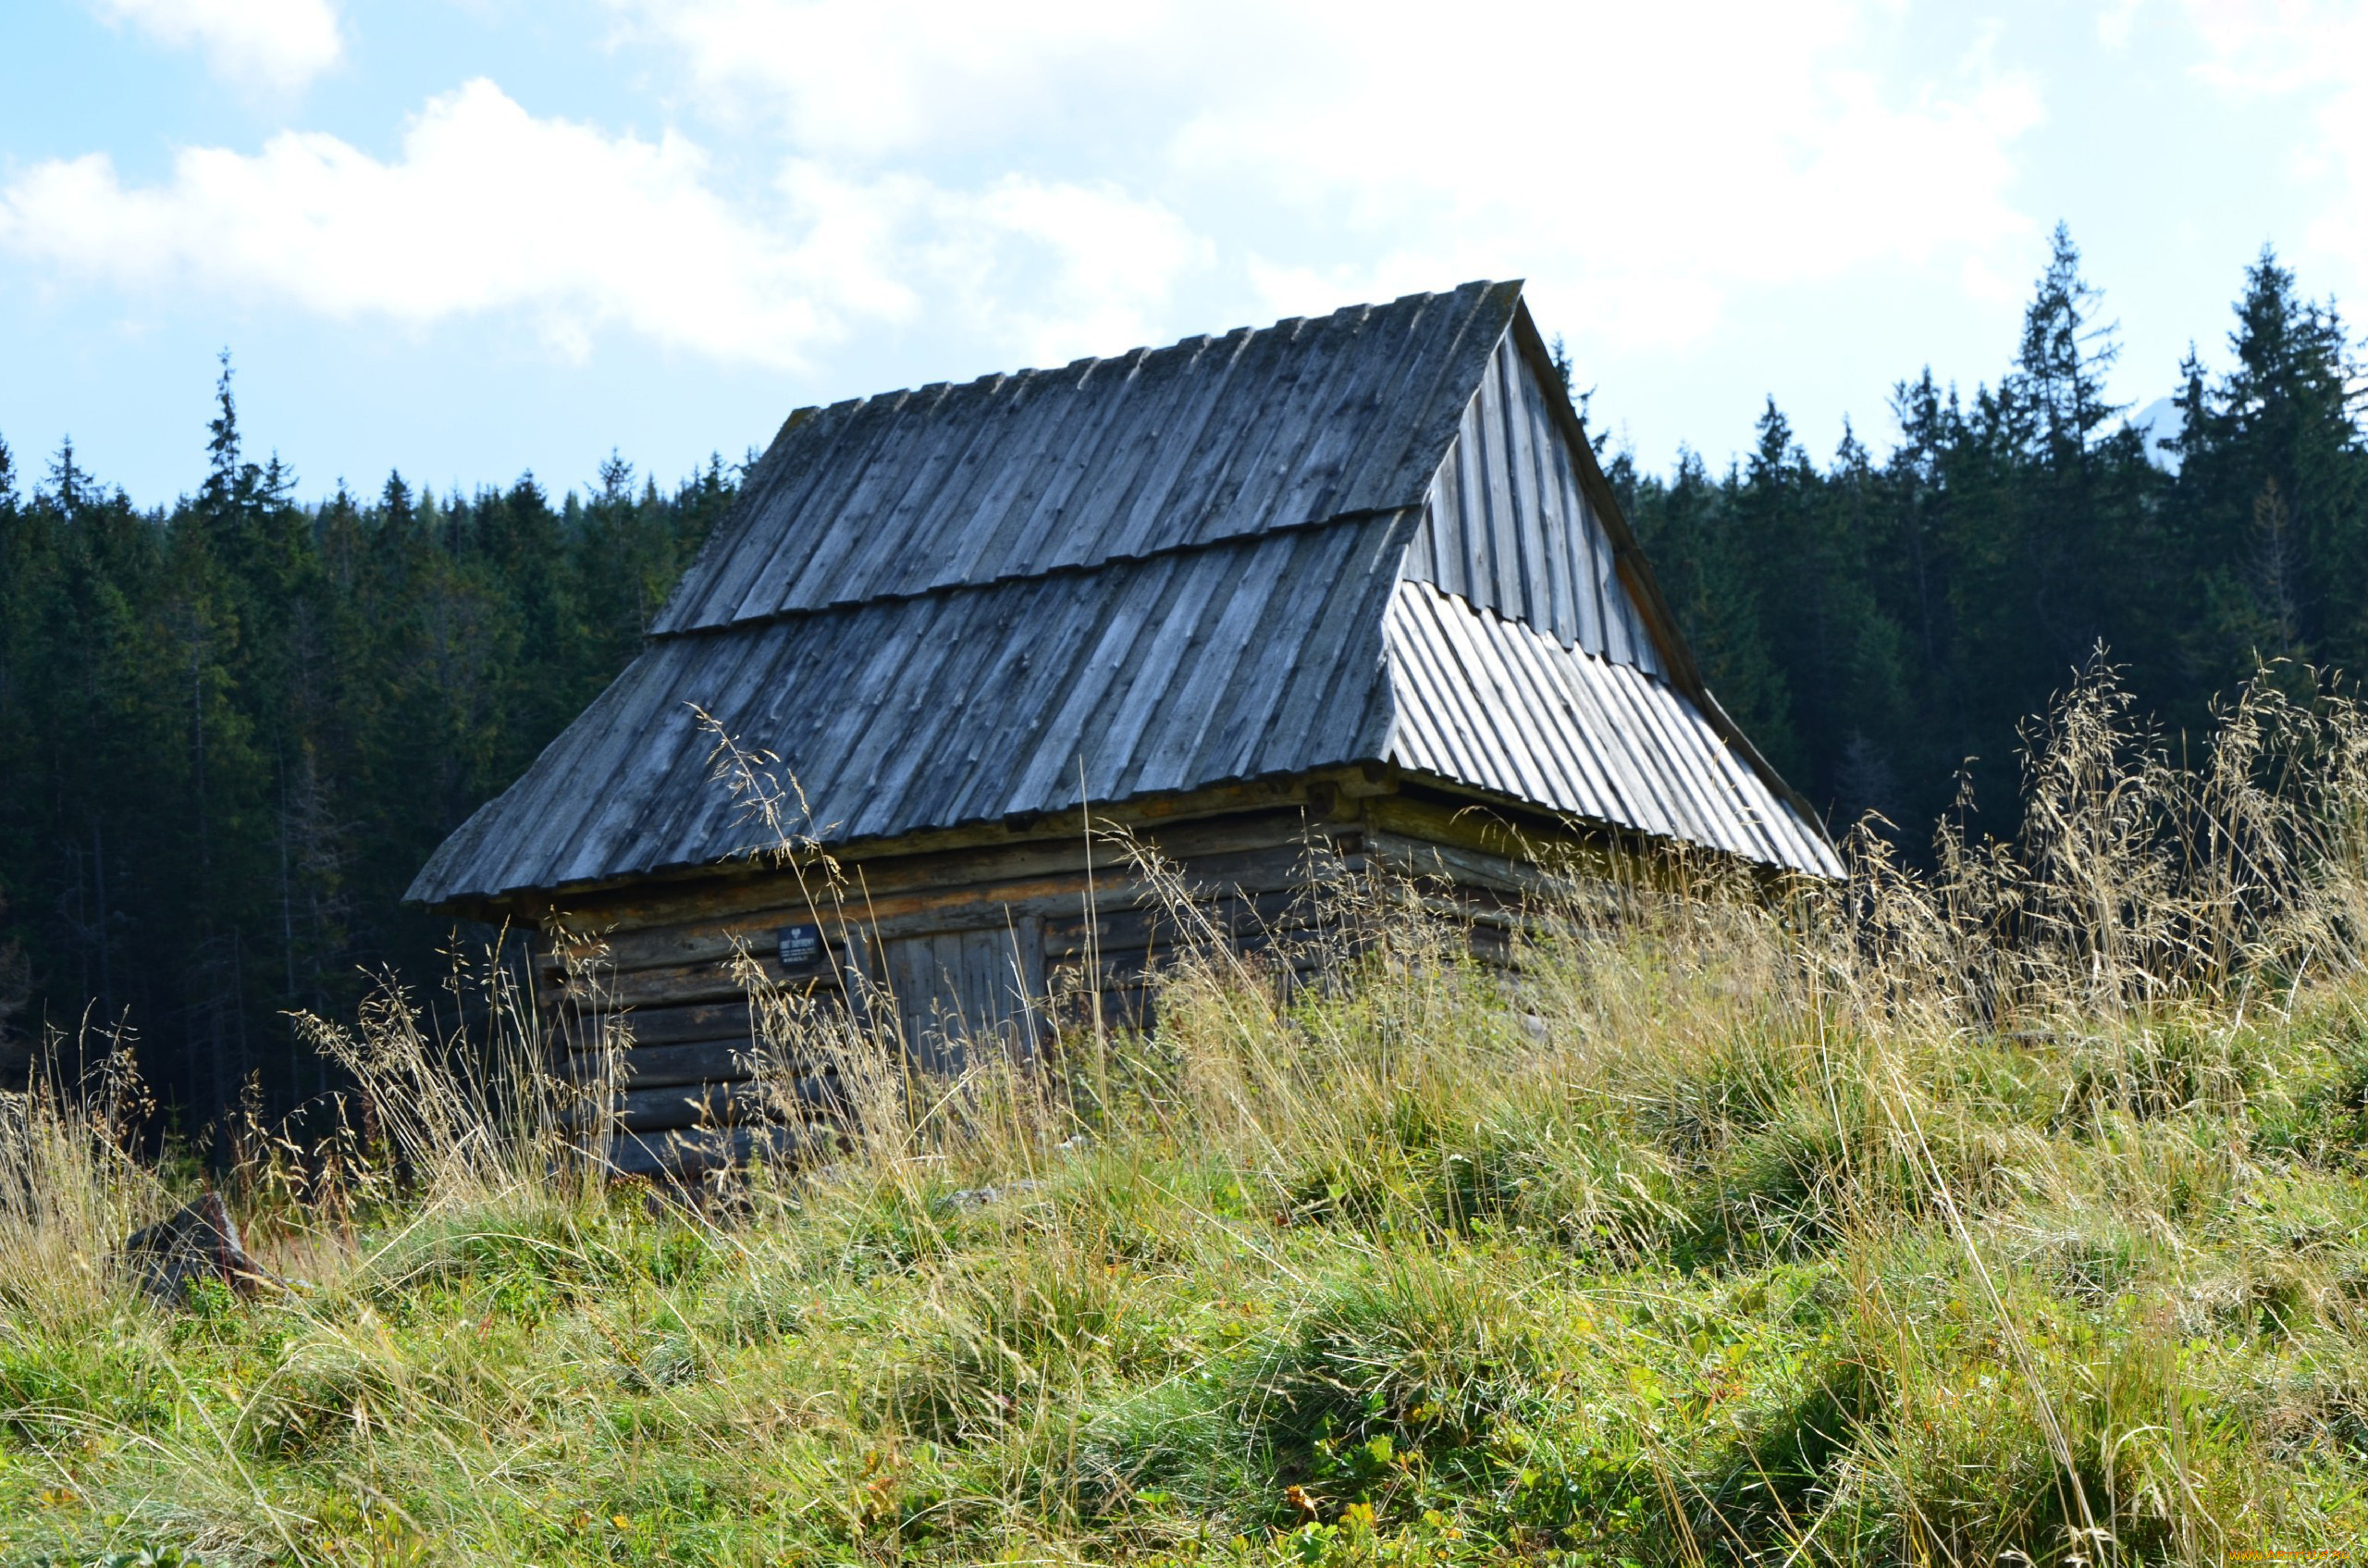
(1876, 625)
(232, 729)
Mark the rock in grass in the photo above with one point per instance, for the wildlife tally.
(980, 1197)
(199, 1240)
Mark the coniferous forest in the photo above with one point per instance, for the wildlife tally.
(232, 729)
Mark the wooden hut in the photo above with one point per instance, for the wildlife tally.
(1355, 578)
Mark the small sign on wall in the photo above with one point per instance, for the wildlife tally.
(801, 948)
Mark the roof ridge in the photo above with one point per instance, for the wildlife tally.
(1145, 350)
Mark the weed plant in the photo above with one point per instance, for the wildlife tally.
(2008, 1213)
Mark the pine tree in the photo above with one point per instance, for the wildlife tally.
(2060, 368)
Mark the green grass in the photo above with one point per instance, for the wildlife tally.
(1849, 1227)
(1589, 1300)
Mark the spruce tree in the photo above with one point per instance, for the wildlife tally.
(2273, 486)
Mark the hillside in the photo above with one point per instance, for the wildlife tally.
(2015, 1209)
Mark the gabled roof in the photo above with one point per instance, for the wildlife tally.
(1104, 460)
(1373, 537)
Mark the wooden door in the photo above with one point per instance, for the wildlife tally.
(957, 991)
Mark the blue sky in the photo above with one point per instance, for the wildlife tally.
(466, 237)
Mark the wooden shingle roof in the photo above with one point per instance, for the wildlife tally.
(1375, 535)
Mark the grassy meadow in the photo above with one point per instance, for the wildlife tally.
(2011, 1211)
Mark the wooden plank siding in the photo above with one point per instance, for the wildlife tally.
(1507, 526)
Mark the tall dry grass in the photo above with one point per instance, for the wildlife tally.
(72, 1182)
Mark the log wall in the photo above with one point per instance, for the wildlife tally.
(966, 942)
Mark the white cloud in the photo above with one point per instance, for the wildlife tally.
(1116, 262)
(1640, 164)
(489, 208)
(889, 76)
(1712, 149)
(2303, 53)
(2114, 21)
(276, 44)
(1045, 177)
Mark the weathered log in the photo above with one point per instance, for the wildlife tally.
(689, 1154)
